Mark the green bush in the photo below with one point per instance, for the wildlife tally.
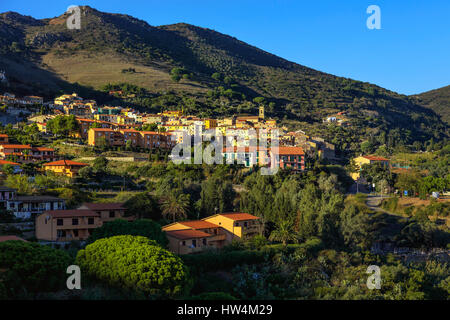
(212, 261)
(136, 263)
(32, 268)
(144, 227)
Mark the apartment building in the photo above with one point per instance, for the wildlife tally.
(139, 139)
(291, 158)
(97, 136)
(23, 207)
(107, 211)
(66, 225)
(78, 224)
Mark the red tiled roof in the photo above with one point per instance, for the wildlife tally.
(9, 238)
(238, 216)
(198, 224)
(65, 163)
(188, 234)
(375, 158)
(2, 135)
(290, 151)
(102, 129)
(16, 146)
(71, 213)
(43, 149)
(2, 162)
(103, 206)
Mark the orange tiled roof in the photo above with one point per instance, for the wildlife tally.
(2, 162)
(238, 216)
(198, 224)
(43, 149)
(65, 163)
(103, 129)
(188, 234)
(290, 151)
(16, 146)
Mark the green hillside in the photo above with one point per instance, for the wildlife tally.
(205, 72)
(438, 100)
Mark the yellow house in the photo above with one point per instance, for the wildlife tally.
(66, 167)
(359, 161)
(213, 232)
(237, 225)
(210, 123)
(125, 120)
(168, 113)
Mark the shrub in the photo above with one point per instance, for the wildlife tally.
(212, 261)
(32, 268)
(135, 263)
(144, 227)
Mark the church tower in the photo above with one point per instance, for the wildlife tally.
(261, 112)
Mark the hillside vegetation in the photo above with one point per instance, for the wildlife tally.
(438, 100)
(205, 72)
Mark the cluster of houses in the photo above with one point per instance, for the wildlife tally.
(55, 224)
(184, 237)
(119, 127)
(11, 99)
(15, 155)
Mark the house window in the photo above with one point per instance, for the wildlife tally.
(75, 221)
(236, 224)
(194, 243)
(183, 243)
(60, 233)
(245, 224)
(75, 233)
(90, 220)
(59, 222)
(111, 214)
(204, 242)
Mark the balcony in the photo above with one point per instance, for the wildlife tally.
(77, 226)
(219, 237)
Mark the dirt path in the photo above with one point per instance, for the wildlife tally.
(374, 203)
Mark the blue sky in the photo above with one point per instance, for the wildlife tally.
(410, 54)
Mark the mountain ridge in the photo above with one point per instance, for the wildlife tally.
(108, 43)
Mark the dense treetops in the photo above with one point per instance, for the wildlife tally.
(144, 227)
(135, 263)
(29, 268)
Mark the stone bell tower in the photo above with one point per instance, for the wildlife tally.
(261, 112)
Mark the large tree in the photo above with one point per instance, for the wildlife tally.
(135, 263)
